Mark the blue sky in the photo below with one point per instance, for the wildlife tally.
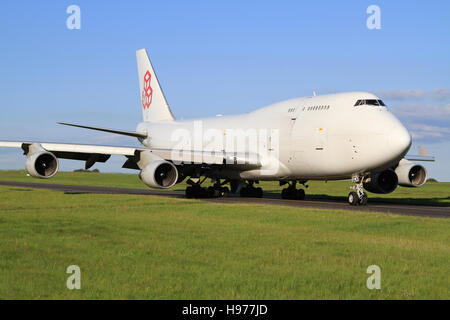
(217, 57)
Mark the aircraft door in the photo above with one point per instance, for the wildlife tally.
(300, 143)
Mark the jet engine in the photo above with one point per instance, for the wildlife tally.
(42, 164)
(382, 182)
(159, 174)
(410, 174)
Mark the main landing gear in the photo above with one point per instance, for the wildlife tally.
(250, 191)
(358, 197)
(292, 193)
(195, 190)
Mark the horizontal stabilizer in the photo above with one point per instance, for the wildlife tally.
(420, 158)
(423, 151)
(423, 155)
(121, 132)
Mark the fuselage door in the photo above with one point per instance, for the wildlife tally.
(320, 138)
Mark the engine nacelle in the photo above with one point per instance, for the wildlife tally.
(42, 164)
(411, 174)
(382, 182)
(159, 174)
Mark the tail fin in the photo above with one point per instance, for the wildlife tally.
(154, 104)
(423, 152)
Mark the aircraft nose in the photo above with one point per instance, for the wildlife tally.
(399, 139)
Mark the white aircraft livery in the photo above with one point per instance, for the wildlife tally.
(327, 137)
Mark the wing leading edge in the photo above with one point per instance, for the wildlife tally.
(98, 153)
(89, 153)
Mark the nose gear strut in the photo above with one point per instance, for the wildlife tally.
(358, 197)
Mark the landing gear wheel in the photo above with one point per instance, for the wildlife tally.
(364, 199)
(259, 192)
(196, 192)
(189, 192)
(289, 194)
(292, 193)
(358, 197)
(211, 192)
(251, 192)
(224, 191)
(353, 198)
(300, 194)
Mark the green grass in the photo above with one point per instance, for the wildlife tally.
(79, 178)
(146, 247)
(435, 194)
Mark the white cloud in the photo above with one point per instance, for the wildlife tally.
(426, 122)
(423, 131)
(440, 94)
(437, 94)
(114, 139)
(400, 94)
(423, 111)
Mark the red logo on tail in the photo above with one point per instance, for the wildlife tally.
(147, 93)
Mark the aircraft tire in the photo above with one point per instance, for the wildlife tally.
(353, 198)
(259, 192)
(211, 192)
(300, 194)
(363, 201)
(225, 191)
(189, 192)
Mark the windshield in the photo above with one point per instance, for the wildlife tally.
(370, 102)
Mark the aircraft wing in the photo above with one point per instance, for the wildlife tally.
(241, 160)
(121, 132)
(89, 153)
(98, 153)
(72, 148)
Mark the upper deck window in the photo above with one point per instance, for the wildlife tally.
(370, 102)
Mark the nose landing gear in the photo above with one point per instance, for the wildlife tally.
(358, 197)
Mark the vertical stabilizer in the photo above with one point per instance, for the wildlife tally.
(154, 104)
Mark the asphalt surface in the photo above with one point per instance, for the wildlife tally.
(410, 210)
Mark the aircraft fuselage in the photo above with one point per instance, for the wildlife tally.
(314, 138)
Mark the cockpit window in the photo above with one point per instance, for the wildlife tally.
(370, 102)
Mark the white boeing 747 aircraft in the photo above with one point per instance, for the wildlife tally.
(329, 137)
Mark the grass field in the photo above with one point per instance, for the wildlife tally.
(147, 247)
(434, 194)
